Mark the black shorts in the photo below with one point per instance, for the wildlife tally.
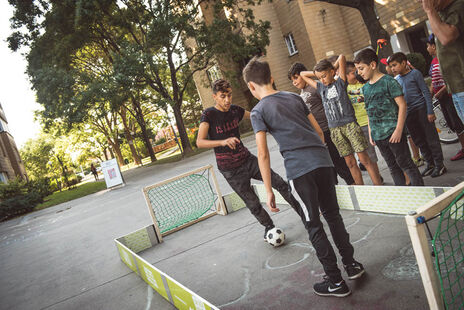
(450, 114)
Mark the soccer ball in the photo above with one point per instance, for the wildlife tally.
(275, 237)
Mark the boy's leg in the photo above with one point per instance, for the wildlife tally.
(390, 159)
(454, 122)
(354, 169)
(331, 211)
(431, 138)
(404, 160)
(414, 123)
(371, 168)
(339, 162)
(306, 191)
(239, 180)
(345, 149)
(458, 99)
(276, 181)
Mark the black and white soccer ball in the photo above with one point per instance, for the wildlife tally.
(275, 236)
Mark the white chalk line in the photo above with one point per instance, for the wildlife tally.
(245, 293)
(149, 297)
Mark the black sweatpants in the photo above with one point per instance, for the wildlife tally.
(339, 162)
(239, 179)
(315, 191)
(398, 159)
(425, 136)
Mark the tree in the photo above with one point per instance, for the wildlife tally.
(369, 15)
(150, 36)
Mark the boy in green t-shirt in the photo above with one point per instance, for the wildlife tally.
(386, 111)
(354, 90)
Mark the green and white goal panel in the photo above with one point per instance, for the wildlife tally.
(184, 200)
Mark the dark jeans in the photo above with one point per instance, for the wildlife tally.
(398, 158)
(315, 191)
(425, 136)
(450, 114)
(239, 179)
(339, 162)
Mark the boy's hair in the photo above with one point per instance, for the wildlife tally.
(257, 71)
(366, 56)
(350, 65)
(332, 58)
(221, 85)
(296, 69)
(398, 57)
(323, 65)
(431, 39)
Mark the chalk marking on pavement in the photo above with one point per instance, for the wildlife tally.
(245, 293)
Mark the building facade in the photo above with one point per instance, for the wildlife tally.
(11, 165)
(307, 31)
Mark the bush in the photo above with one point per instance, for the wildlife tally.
(160, 141)
(20, 197)
(418, 62)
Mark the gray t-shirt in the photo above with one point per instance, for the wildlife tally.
(285, 116)
(337, 104)
(314, 102)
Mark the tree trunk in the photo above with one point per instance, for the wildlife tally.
(128, 135)
(116, 151)
(186, 147)
(375, 29)
(143, 128)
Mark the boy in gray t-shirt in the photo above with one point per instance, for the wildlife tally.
(309, 170)
(344, 130)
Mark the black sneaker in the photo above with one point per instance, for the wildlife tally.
(428, 170)
(268, 228)
(328, 288)
(354, 270)
(438, 171)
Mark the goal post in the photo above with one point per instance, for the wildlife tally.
(183, 200)
(417, 226)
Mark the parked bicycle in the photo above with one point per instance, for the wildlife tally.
(446, 135)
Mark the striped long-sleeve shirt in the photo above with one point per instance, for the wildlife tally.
(435, 73)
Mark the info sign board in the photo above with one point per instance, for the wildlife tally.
(111, 172)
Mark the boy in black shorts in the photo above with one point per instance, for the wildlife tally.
(219, 130)
(309, 168)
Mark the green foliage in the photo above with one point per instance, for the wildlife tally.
(160, 141)
(19, 197)
(417, 60)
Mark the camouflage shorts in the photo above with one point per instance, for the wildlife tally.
(348, 139)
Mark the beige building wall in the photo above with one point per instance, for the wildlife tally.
(320, 30)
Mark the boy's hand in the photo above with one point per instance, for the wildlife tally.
(431, 118)
(428, 5)
(371, 141)
(396, 136)
(271, 202)
(230, 142)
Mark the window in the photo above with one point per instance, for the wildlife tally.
(290, 41)
(213, 74)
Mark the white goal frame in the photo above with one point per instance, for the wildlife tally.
(220, 206)
(420, 244)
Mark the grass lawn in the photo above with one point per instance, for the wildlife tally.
(67, 195)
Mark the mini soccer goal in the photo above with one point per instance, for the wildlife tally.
(441, 262)
(184, 200)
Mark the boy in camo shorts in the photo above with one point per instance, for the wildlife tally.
(345, 132)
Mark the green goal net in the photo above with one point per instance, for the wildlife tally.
(181, 200)
(448, 248)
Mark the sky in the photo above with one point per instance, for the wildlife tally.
(16, 96)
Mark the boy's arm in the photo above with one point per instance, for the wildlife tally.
(444, 32)
(203, 142)
(264, 162)
(316, 126)
(246, 115)
(441, 92)
(427, 96)
(370, 135)
(340, 64)
(307, 77)
(398, 133)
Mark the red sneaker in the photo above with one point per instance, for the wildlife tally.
(459, 155)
